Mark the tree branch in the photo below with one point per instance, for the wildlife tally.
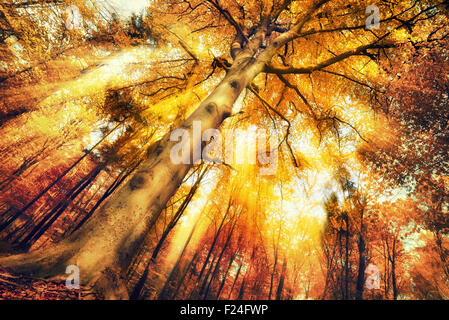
(326, 63)
(287, 134)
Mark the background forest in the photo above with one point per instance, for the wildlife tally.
(361, 181)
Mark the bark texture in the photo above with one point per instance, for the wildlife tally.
(104, 247)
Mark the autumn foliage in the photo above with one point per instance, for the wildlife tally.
(361, 114)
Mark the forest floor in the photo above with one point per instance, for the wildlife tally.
(16, 287)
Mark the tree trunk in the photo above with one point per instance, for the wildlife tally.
(361, 271)
(18, 213)
(206, 278)
(393, 271)
(242, 290)
(104, 246)
(181, 281)
(178, 215)
(164, 292)
(347, 259)
(273, 272)
(217, 264)
(231, 260)
(140, 284)
(281, 280)
(48, 220)
(235, 280)
(214, 242)
(117, 182)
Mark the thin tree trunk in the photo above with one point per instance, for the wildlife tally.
(51, 185)
(214, 241)
(242, 290)
(347, 259)
(281, 280)
(48, 220)
(206, 277)
(178, 215)
(217, 264)
(114, 186)
(26, 164)
(273, 272)
(164, 290)
(393, 271)
(140, 284)
(181, 281)
(272, 276)
(235, 280)
(231, 260)
(362, 262)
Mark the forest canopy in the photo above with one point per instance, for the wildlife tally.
(212, 149)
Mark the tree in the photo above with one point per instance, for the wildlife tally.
(412, 155)
(266, 38)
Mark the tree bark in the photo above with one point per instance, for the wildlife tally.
(18, 213)
(235, 281)
(281, 280)
(140, 284)
(48, 220)
(217, 264)
(214, 242)
(231, 260)
(104, 246)
(362, 262)
(393, 271)
(181, 281)
(164, 292)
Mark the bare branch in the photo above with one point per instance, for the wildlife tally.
(328, 62)
(227, 15)
(351, 79)
(287, 134)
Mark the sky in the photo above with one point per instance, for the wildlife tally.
(127, 7)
